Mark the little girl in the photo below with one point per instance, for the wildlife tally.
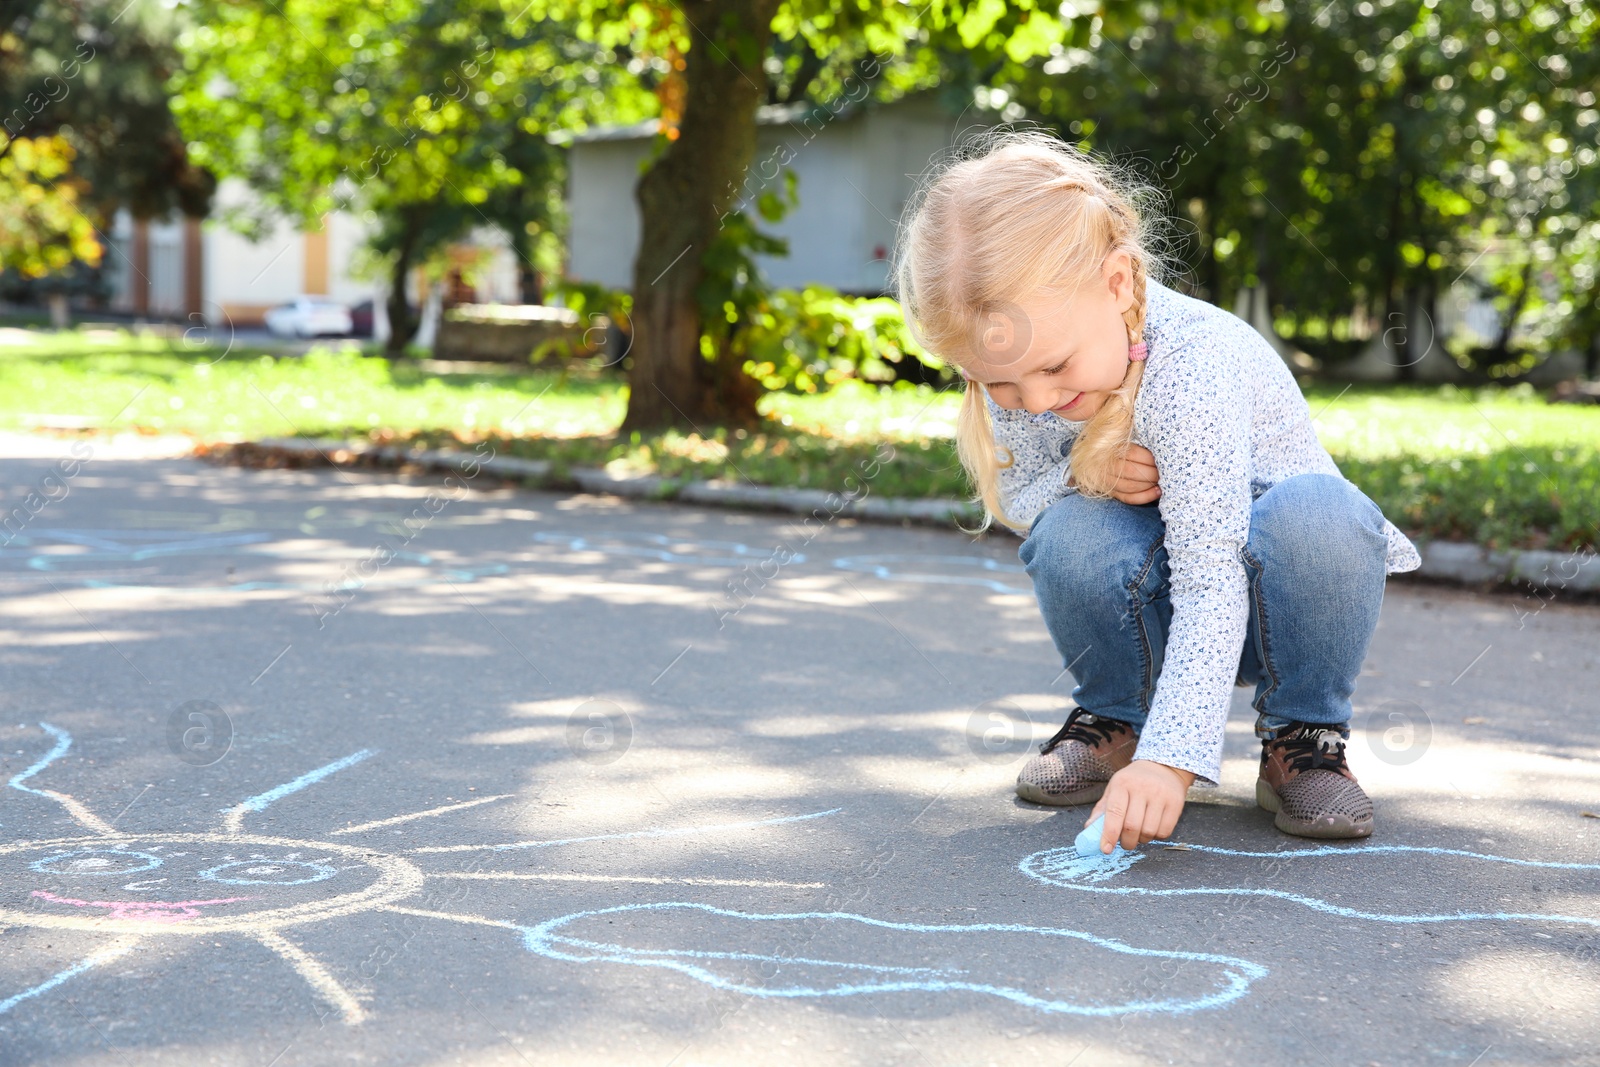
(1185, 530)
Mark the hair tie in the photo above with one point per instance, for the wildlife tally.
(1137, 352)
(963, 372)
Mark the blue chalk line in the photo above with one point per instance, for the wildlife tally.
(260, 801)
(1071, 867)
(54, 981)
(63, 742)
(543, 940)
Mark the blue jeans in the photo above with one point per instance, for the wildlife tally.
(1315, 563)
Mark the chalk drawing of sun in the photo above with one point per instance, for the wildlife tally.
(131, 887)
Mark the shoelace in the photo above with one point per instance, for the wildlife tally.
(1314, 750)
(1090, 733)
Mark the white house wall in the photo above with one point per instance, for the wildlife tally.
(346, 235)
(824, 231)
(899, 146)
(242, 277)
(605, 218)
(855, 174)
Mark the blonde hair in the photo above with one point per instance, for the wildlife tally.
(1007, 215)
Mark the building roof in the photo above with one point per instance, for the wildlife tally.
(766, 115)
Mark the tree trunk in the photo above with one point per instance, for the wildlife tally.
(1210, 271)
(1396, 308)
(403, 321)
(528, 283)
(1501, 349)
(1590, 319)
(681, 199)
(529, 287)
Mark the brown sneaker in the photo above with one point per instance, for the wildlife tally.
(1074, 765)
(1305, 780)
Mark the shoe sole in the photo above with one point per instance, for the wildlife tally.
(1034, 795)
(1332, 826)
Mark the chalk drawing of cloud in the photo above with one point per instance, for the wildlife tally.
(1066, 868)
(821, 941)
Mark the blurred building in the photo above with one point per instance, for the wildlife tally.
(180, 268)
(856, 169)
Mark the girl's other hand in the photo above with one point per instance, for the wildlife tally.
(1142, 802)
(1136, 482)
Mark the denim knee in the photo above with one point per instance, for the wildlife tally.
(1088, 547)
(1317, 524)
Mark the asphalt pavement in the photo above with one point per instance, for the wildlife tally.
(306, 767)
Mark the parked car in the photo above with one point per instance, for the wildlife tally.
(361, 319)
(309, 316)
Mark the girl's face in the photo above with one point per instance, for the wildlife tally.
(1051, 354)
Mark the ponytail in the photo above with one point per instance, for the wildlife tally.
(1103, 442)
(975, 446)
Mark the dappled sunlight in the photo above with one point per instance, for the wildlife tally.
(58, 638)
(962, 1033)
(831, 592)
(1461, 767)
(1540, 984)
(692, 784)
(556, 589)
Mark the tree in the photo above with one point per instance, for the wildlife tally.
(730, 50)
(43, 229)
(85, 129)
(1350, 156)
(430, 116)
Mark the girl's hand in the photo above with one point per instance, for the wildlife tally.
(1136, 482)
(1142, 802)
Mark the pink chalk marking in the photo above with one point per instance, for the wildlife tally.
(155, 911)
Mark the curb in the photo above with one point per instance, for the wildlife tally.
(638, 487)
(1474, 565)
(1453, 561)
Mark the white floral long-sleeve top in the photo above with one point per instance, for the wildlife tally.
(1225, 421)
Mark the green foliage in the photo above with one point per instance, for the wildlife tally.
(812, 339)
(597, 308)
(94, 72)
(800, 340)
(1350, 155)
(733, 285)
(1539, 496)
(43, 227)
(428, 117)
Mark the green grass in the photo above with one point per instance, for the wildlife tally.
(1497, 466)
(160, 385)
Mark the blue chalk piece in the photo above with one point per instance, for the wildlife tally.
(1088, 840)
